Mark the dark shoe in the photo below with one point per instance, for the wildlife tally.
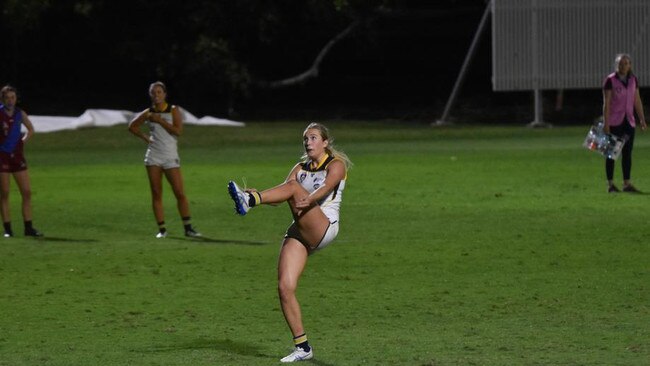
(613, 189)
(192, 233)
(8, 234)
(630, 189)
(34, 233)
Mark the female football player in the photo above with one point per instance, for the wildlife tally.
(313, 190)
(12, 160)
(165, 125)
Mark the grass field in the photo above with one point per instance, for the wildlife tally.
(458, 246)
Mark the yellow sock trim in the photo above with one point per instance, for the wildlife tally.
(257, 197)
(300, 339)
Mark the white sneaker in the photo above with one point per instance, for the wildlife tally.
(299, 354)
(161, 235)
(239, 197)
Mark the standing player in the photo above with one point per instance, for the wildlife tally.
(165, 125)
(12, 160)
(621, 101)
(314, 190)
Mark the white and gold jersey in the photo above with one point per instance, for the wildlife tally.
(163, 145)
(312, 178)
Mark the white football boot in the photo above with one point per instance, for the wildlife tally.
(299, 354)
(240, 197)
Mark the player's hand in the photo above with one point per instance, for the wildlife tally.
(155, 117)
(643, 125)
(304, 202)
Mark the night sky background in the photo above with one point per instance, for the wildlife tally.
(401, 63)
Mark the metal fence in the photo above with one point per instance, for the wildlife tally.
(566, 44)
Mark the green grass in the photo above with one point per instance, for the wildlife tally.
(458, 246)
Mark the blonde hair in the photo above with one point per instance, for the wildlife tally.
(619, 57)
(329, 149)
(155, 84)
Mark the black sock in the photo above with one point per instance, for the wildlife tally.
(161, 227)
(187, 223)
(28, 225)
(7, 226)
(301, 341)
(254, 199)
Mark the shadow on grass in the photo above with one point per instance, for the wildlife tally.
(63, 240)
(225, 345)
(317, 362)
(207, 240)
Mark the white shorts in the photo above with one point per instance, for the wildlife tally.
(328, 237)
(165, 162)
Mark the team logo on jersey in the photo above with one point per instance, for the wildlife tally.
(316, 186)
(302, 177)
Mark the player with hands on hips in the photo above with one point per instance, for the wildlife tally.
(161, 159)
(12, 160)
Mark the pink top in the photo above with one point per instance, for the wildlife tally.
(622, 102)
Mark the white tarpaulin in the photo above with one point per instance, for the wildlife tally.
(111, 117)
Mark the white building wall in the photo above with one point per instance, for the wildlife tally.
(566, 44)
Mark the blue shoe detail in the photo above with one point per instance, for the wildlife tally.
(239, 197)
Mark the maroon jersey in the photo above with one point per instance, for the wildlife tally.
(12, 158)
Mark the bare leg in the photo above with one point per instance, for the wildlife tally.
(175, 179)
(311, 222)
(293, 258)
(4, 197)
(22, 179)
(155, 182)
(288, 190)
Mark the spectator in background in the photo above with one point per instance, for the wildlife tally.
(12, 160)
(621, 99)
(165, 125)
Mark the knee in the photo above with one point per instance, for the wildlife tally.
(180, 195)
(286, 289)
(156, 194)
(293, 183)
(26, 194)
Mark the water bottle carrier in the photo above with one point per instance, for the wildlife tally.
(606, 144)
